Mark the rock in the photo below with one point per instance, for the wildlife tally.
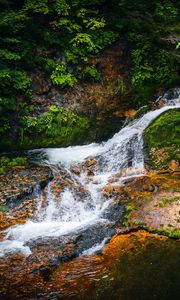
(67, 181)
(130, 113)
(19, 182)
(76, 170)
(148, 187)
(90, 173)
(90, 162)
(44, 271)
(173, 165)
(163, 172)
(41, 84)
(111, 190)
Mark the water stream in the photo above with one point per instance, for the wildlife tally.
(120, 157)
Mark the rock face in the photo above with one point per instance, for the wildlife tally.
(102, 102)
(154, 203)
(22, 181)
(17, 190)
(87, 97)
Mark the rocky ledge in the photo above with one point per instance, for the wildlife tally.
(17, 188)
(154, 204)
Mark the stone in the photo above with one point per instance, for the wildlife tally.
(90, 162)
(19, 182)
(76, 170)
(173, 165)
(148, 187)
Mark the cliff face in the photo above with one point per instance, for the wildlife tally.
(88, 97)
(104, 103)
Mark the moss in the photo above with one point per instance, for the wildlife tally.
(172, 233)
(139, 223)
(4, 208)
(2, 170)
(6, 162)
(130, 207)
(164, 131)
(58, 127)
(163, 140)
(164, 201)
(18, 161)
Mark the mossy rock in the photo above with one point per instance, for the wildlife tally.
(164, 131)
(163, 141)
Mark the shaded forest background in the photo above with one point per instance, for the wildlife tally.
(64, 39)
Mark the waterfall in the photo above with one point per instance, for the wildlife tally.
(81, 202)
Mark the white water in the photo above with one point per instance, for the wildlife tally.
(67, 213)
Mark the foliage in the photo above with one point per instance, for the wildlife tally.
(5, 162)
(58, 126)
(91, 72)
(150, 72)
(120, 85)
(62, 36)
(166, 12)
(17, 161)
(62, 77)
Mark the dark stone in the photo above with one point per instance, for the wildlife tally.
(44, 271)
(20, 182)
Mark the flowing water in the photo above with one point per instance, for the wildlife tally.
(121, 157)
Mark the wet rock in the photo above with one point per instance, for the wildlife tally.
(50, 253)
(154, 203)
(111, 190)
(41, 84)
(76, 170)
(19, 182)
(44, 271)
(90, 162)
(148, 187)
(174, 165)
(90, 173)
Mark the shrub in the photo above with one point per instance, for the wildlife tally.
(58, 126)
(62, 77)
(92, 72)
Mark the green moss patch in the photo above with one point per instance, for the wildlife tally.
(163, 140)
(164, 131)
(56, 127)
(6, 162)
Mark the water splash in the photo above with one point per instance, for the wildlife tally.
(70, 210)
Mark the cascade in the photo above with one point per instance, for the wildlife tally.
(81, 202)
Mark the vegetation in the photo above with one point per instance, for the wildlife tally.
(57, 126)
(164, 201)
(11, 162)
(162, 138)
(164, 131)
(61, 36)
(172, 232)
